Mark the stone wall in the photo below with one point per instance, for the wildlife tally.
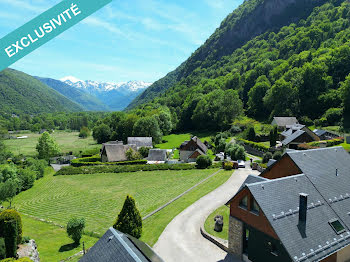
(235, 237)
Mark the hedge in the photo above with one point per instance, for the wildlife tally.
(70, 170)
(258, 146)
(80, 162)
(9, 215)
(329, 143)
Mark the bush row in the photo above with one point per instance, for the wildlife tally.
(329, 143)
(70, 170)
(80, 163)
(258, 146)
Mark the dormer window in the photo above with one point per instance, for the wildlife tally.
(254, 206)
(244, 202)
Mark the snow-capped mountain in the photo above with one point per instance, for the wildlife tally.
(116, 96)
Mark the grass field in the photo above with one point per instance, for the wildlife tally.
(67, 141)
(99, 197)
(175, 140)
(210, 223)
(155, 225)
(53, 242)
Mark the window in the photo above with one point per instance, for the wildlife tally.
(244, 202)
(254, 206)
(337, 226)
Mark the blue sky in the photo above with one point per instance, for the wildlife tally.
(126, 40)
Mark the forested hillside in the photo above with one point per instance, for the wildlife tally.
(85, 100)
(251, 19)
(21, 93)
(295, 70)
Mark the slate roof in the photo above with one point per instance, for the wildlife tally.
(319, 132)
(292, 137)
(279, 201)
(251, 179)
(157, 155)
(284, 121)
(326, 179)
(140, 141)
(119, 247)
(200, 144)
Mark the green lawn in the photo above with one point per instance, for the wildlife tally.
(68, 141)
(155, 225)
(99, 197)
(53, 242)
(210, 223)
(175, 140)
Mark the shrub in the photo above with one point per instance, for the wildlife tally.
(257, 146)
(25, 239)
(9, 215)
(75, 228)
(333, 116)
(37, 165)
(228, 165)
(203, 162)
(84, 132)
(144, 151)
(235, 130)
(132, 155)
(27, 178)
(8, 230)
(306, 121)
(267, 157)
(85, 162)
(251, 135)
(277, 155)
(2, 248)
(129, 220)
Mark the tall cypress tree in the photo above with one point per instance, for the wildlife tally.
(346, 102)
(129, 220)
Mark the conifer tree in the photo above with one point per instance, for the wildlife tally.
(129, 220)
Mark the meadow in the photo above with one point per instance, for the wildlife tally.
(53, 242)
(67, 141)
(210, 223)
(99, 197)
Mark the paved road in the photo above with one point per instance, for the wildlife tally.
(182, 241)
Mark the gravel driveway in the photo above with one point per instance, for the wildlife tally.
(182, 241)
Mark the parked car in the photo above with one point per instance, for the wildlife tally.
(241, 164)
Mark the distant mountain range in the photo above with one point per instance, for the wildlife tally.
(114, 96)
(97, 96)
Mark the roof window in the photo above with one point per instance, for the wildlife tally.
(337, 226)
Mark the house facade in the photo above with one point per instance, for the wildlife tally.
(297, 134)
(190, 150)
(298, 209)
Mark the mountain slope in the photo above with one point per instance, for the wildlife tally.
(295, 70)
(22, 93)
(85, 100)
(251, 19)
(116, 96)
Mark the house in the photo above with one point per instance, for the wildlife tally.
(324, 134)
(300, 218)
(157, 155)
(115, 151)
(297, 134)
(190, 150)
(119, 247)
(282, 122)
(324, 160)
(140, 141)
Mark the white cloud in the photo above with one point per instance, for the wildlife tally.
(97, 22)
(26, 5)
